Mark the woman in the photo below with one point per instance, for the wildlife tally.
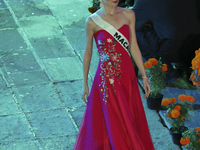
(114, 117)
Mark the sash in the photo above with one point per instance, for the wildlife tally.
(110, 29)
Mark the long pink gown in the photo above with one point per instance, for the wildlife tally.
(114, 118)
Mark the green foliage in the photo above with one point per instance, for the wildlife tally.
(156, 78)
(194, 139)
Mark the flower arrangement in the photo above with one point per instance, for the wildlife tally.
(195, 76)
(178, 112)
(95, 6)
(191, 139)
(155, 72)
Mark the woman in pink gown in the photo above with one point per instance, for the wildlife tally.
(114, 118)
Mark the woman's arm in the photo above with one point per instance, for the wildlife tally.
(87, 56)
(135, 51)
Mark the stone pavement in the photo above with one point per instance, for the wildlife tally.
(41, 46)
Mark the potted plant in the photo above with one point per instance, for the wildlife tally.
(178, 114)
(195, 76)
(191, 139)
(155, 72)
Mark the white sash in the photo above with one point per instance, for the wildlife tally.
(110, 29)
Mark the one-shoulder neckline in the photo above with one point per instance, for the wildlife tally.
(116, 29)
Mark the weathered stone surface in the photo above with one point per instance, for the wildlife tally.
(6, 19)
(51, 123)
(2, 4)
(68, 16)
(29, 78)
(14, 128)
(2, 82)
(7, 103)
(59, 143)
(11, 41)
(37, 97)
(41, 26)
(64, 69)
(20, 146)
(70, 93)
(28, 8)
(21, 61)
(77, 114)
(53, 47)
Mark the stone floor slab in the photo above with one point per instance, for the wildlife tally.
(29, 78)
(2, 4)
(11, 41)
(14, 128)
(21, 61)
(77, 115)
(64, 69)
(37, 97)
(41, 26)
(7, 103)
(28, 8)
(67, 16)
(6, 19)
(53, 47)
(59, 143)
(70, 93)
(52, 123)
(20, 146)
(2, 82)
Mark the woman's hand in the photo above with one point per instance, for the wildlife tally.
(85, 93)
(147, 87)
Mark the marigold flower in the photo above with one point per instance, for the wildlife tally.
(148, 64)
(175, 113)
(198, 134)
(199, 140)
(185, 141)
(197, 129)
(190, 99)
(165, 101)
(194, 83)
(178, 107)
(197, 52)
(173, 100)
(182, 97)
(169, 115)
(164, 67)
(182, 117)
(153, 61)
(192, 76)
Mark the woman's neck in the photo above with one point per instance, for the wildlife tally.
(109, 10)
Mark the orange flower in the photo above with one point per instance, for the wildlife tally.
(194, 83)
(148, 64)
(153, 61)
(182, 117)
(173, 100)
(199, 140)
(198, 134)
(185, 141)
(175, 113)
(197, 52)
(178, 107)
(182, 97)
(190, 99)
(197, 129)
(169, 115)
(192, 76)
(164, 67)
(165, 101)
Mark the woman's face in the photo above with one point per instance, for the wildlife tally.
(110, 2)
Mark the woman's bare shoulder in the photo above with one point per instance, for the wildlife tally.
(129, 13)
(89, 22)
